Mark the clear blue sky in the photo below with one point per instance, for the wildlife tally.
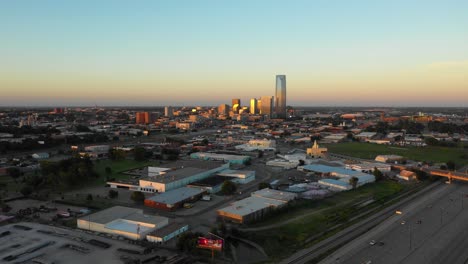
(206, 52)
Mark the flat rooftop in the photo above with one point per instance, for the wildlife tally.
(128, 226)
(274, 195)
(125, 214)
(110, 214)
(219, 156)
(175, 175)
(175, 196)
(250, 205)
(210, 181)
(167, 230)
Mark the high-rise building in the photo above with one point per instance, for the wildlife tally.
(142, 118)
(267, 105)
(223, 109)
(236, 105)
(253, 106)
(168, 111)
(280, 105)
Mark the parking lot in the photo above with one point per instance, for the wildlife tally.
(36, 243)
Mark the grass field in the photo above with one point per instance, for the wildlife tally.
(283, 241)
(117, 168)
(459, 155)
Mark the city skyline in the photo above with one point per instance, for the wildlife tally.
(363, 53)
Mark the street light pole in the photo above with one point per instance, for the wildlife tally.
(410, 236)
(441, 215)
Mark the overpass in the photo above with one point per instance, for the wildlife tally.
(450, 175)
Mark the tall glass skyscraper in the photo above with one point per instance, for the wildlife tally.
(280, 98)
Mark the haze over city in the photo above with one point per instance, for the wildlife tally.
(347, 53)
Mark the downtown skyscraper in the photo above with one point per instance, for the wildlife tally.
(280, 97)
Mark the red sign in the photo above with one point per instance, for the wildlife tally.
(214, 244)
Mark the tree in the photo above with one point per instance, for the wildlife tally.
(420, 175)
(263, 185)
(378, 174)
(108, 170)
(26, 190)
(89, 197)
(450, 165)
(117, 154)
(260, 154)
(138, 197)
(228, 188)
(14, 172)
(113, 194)
(188, 241)
(140, 154)
(354, 181)
(301, 162)
(431, 141)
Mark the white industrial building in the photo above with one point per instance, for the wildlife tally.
(285, 164)
(389, 158)
(343, 175)
(124, 221)
(258, 144)
(256, 206)
(369, 167)
(162, 179)
(238, 176)
(232, 159)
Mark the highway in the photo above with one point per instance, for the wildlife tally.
(354, 231)
(432, 228)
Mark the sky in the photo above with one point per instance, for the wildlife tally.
(184, 52)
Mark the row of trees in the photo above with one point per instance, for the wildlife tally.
(68, 173)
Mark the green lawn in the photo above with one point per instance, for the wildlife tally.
(283, 241)
(117, 168)
(459, 155)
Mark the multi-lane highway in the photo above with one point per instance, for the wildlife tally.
(431, 229)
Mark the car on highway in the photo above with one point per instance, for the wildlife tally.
(403, 222)
(372, 242)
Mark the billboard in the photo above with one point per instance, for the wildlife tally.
(213, 244)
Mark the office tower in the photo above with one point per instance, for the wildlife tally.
(168, 111)
(280, 105)
(223, 109)
(142, 118)
(253, 106)
(267, 105)
(236, 105)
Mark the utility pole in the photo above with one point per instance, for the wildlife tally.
(410, 236)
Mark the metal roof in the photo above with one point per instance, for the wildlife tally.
(177, 195)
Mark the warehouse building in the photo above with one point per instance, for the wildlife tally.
(232, 159)
(210, 185)
(124, 221)
(174, 199)
(166, 233)
(178, 178)
(256, 206)
(238, 176)
(343, 175)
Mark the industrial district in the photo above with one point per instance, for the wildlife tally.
(256, 182)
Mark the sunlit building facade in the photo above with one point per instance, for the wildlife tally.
(253, 106)
(280, 105)
(267, 105)
(236, 105)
